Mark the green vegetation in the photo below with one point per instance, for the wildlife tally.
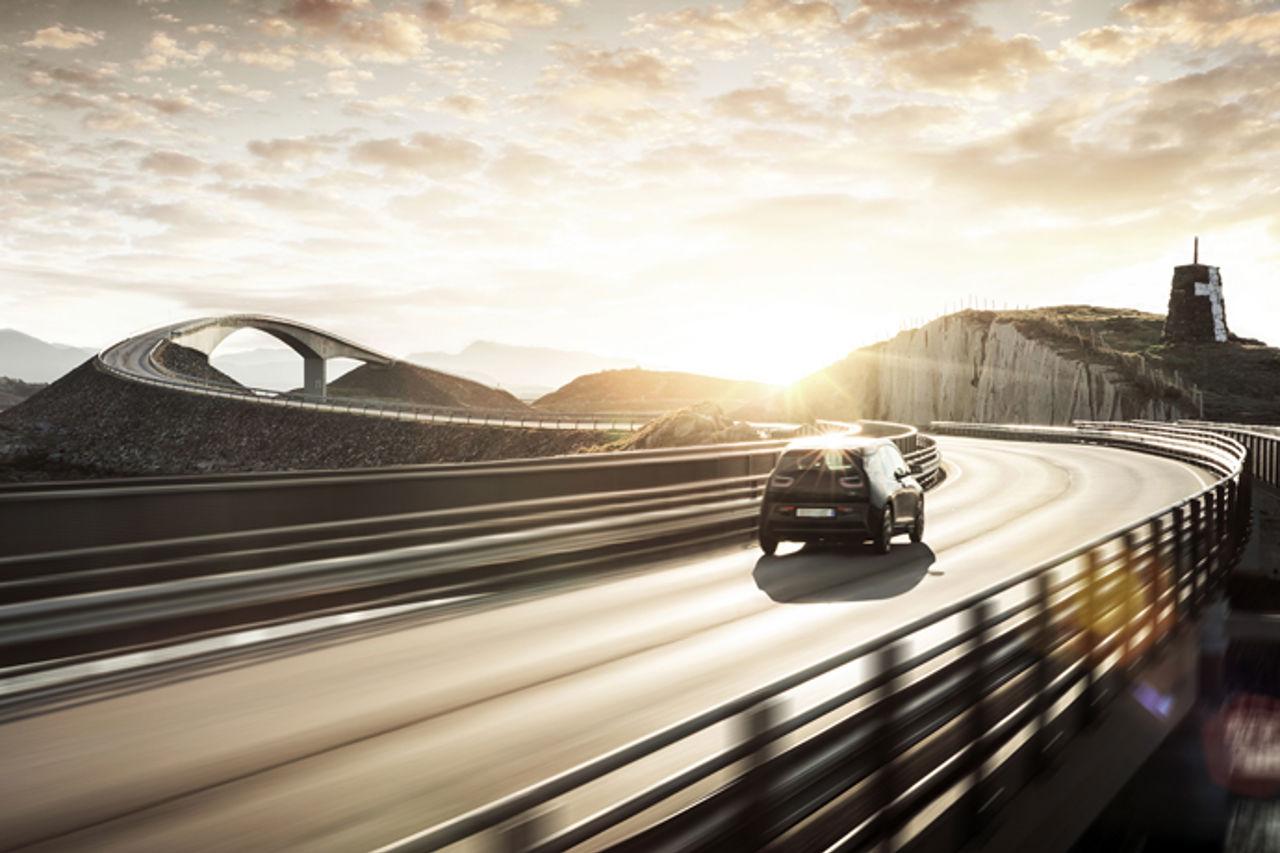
(1239, 379)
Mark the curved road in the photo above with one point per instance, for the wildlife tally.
(351, 746)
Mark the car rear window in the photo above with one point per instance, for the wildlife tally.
(833, 460)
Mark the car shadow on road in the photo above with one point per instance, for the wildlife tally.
(821, 572)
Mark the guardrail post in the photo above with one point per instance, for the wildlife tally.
(975, 690)
(1197, 543)
(1091, 630)
(1179, 535)
(1130, 589)
(1220, 532)
(1210, 542)
(884, 736)
(1042, 642)
(1156, 585)
(524, 832)
(757, 793)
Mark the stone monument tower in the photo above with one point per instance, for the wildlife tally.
(1197, 313)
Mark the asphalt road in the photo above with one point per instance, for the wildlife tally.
(352, 746)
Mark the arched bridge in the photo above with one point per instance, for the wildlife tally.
(205, 334)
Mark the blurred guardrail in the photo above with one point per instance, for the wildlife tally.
(924, 732)
(100, 567)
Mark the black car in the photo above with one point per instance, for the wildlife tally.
(841, 488)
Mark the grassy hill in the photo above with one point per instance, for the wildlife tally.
(409, 383)
(637, 390)
(1239, 379)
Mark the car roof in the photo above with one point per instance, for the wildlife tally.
(837, 441)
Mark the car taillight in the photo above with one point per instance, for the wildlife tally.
(851, 483)
(781, 481)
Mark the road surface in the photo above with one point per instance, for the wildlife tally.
(351, 746)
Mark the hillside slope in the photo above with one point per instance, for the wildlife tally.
(408, 383)
(92, 424)
(14, 391)
(1049, 365)
(637, 390)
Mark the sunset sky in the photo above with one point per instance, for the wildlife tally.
(739, 189)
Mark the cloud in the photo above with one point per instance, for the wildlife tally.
(423, 153)
(281, 59)
(19, 148)
(1109, 45)
(323, 13)
(171, 164)
(285, 151)
(521, 168)
(164, 51)
(523, 13)
(392, 36)
(1210, 23)
(58, 37)
(43, 74)
(602, 77)
(720, 29)
(473, 32)
(766, 104)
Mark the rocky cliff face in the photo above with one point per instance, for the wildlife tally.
(970, 367)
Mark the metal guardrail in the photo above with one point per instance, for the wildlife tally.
(931, 726)
(1262, 442)
(122, 572)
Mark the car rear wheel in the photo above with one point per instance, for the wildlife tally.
(768, 543)
(917, 529)
(884, 534)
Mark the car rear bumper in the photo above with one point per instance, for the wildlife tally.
(854, 523)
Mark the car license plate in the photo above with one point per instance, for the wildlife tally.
(815, 512)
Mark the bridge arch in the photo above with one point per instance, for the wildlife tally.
(314, 345)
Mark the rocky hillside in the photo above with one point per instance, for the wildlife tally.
(184, 361)
(408, 383)
(91, 424)
(14, 391)
(1040, 366)
(636, 390)
(705, 423)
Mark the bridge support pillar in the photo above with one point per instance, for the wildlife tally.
(313, 382)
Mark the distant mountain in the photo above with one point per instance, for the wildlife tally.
(527, 372)
(33, 360)
(14, 391)
(637, 390)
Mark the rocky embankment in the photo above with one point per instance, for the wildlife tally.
(985, 367)
(705, 423)
(91, 424)
(184, 362)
